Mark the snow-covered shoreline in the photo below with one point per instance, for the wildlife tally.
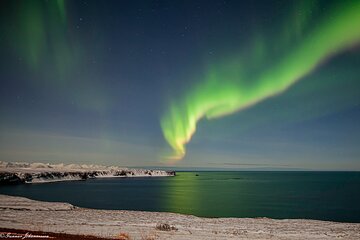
(26, 214)
(15, 173)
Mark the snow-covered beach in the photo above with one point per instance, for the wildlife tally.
(56, 217)
(26, 214)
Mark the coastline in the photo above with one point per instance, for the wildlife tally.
(21, 173)
(51, 217)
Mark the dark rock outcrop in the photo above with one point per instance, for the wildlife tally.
(10, 178)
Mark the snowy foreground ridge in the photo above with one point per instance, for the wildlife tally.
(13, 173)
(26, 214)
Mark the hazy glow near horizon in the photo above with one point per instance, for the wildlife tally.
(226, 88)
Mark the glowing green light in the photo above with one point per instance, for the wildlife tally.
(227, 89)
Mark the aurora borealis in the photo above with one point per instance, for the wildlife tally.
(219, 84)
(226, 90)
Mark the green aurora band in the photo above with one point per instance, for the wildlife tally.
(40, 33)
(226, 88)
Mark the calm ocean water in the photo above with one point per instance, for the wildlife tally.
(331, 196)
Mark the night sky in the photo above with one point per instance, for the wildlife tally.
(197, 84)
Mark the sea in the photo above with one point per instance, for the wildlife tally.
(331, 196)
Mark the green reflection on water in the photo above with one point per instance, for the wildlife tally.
(203, 195)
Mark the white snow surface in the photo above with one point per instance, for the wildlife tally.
(26, 214)
(21, 203)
